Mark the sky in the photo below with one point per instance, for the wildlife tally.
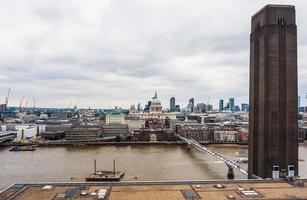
(106, 53)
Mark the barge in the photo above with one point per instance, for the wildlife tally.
(22, 148)
(102, 175)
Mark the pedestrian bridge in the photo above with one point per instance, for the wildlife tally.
(4, 137)
(230, 163)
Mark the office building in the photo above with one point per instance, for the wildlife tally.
(221, 105)
(209, 107)
(273, 128)
(172, 104)
(231, 104)
(139, 108)
(244, 107)
(191, 102)
(200, 108)
(177, 108)
(189, 108)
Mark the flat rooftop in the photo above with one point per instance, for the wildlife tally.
(170, 190)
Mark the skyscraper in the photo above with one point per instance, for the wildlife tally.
(299, 101)
(139, 108)
(221, 105)
(209, 107)
(231, 104)
(244, 107)
(273, 139)
(177, 108)
(191, 102)
(200, 108)
(172, 104)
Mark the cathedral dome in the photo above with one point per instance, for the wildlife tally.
(155, 100)
(155, 105)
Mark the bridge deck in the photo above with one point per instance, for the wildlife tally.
(6, 138)
(227, 161)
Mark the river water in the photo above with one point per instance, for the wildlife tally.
(150, 162)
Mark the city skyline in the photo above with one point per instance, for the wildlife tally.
(71, 52)
(155, 96)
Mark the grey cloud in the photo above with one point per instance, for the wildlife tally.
(107, 53)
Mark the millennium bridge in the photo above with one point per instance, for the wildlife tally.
(231, 164)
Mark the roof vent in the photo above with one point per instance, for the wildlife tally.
(219, 186)
(299, 183)
(249, 193)
(190, 194)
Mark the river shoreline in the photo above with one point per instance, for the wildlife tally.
(98, 143)
(95, 143)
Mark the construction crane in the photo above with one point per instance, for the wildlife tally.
(33, 109)
(5, 105)
(21, 103)
(69, 107)
(7, 97)
(26, 105)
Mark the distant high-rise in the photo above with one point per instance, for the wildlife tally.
(200, 108)
(147, 107)
(299, 101)
(189, 108)
(172, 104)
(139, 108)
(227, 106)
(209, 107)
(237, 108)
(177, 108)
(221, 105)
(273, 139)
(232, 104)
(191, 102)
(244, 107)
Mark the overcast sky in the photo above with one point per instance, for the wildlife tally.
(108, 53)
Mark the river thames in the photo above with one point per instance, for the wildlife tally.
(139, 162)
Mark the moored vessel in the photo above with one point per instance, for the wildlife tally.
(102, 175)
(22, 148)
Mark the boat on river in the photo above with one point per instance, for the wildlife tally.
(241, 153)
(105, 175)
(22, 148)
(243, 160)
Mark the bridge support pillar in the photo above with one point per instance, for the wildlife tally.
(230, 174)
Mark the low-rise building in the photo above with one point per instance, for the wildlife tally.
(225, 136)
(198, 132)
(61, 115)
(153, 135)
(113, 129)
(115, 118)
(302, 133)
(83, 132)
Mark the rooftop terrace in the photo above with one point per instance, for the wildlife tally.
(170, 190)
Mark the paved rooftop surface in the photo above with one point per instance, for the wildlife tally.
(160, 191)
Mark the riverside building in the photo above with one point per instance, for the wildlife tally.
(273, 139)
